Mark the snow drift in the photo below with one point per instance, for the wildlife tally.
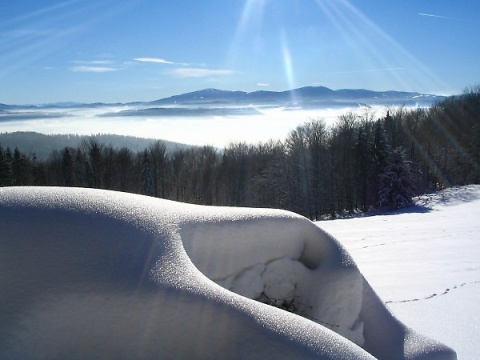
(99, 274)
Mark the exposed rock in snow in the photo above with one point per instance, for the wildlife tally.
(99, 274)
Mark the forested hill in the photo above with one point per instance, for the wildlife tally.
(42, 145)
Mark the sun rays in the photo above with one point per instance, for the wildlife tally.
(288, 66)
(27, 39)
(374, 49)
(248, 30)
(367, 54)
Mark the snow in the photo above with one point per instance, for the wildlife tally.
(99, 274)
(424, 262)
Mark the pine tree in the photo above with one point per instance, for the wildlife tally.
(19, 168)
(396, 185)
(68, 174)
(5, 168)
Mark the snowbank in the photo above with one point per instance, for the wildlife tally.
(100, 274)
(281, 259)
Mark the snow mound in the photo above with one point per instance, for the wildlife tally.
(282, 260)
(100, 274)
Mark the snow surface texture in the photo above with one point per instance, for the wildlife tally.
(101, 275)
(424, 262)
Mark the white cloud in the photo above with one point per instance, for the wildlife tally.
(94, 66)
(263, 85)
(93, 62)
(154, 60)
(199, 72)
(94, 69)
(101, 62)
(436, 16)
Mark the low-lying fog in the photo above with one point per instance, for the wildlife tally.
(203, 126)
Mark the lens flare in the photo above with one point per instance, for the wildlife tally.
(288, 67)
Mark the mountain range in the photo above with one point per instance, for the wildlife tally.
(310, 96)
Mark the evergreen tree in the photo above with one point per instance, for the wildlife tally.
(5, 168)
(396, 182)
(68, 174)
(19, 168)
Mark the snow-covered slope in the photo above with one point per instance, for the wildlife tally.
(424, 262)
(98, 274)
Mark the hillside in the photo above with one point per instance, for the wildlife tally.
(43, 145)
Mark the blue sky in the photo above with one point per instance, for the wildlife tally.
(140, 50)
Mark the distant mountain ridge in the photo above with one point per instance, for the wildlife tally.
(306, 96)
(309, 95)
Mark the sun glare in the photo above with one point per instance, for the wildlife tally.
(250, 21)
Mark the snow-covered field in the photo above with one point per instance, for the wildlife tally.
(100, 274)
(424, 262)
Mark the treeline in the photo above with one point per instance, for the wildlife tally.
(360, 163)
(44, 144)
